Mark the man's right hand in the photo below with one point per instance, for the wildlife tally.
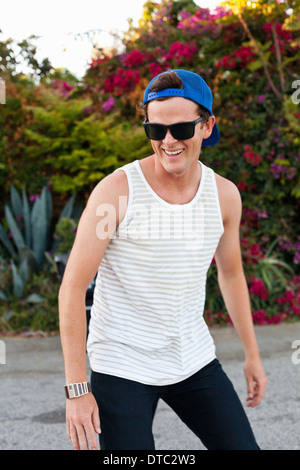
(82, 417)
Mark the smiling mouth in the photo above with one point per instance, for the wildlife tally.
(173, 153)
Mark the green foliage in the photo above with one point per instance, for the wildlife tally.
(65, 234)
(26, 238)
(97, 148)
(71, 134)
(36, 309)
(85, 148)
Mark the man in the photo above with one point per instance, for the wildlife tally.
(151, 230)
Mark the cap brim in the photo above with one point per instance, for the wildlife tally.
(213, 138)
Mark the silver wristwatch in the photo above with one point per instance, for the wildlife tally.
(77, 389)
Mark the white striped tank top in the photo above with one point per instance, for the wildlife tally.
(147, 320)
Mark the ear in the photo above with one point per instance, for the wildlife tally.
(208, 127)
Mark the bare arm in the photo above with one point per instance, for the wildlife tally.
(234, 289)
(85, 258)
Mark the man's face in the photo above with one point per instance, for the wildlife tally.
(176, 156)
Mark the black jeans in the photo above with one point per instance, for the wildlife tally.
(206, 402)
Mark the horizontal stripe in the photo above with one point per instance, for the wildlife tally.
(147, 317)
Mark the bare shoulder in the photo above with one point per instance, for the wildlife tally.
(229, 197)
(109, 189)
(226, 188)
(96, 226)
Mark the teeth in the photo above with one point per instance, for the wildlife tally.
(175, 152)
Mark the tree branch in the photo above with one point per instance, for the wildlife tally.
(258, 51)
(278, 55)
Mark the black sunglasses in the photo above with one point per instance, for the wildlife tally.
(180, 130)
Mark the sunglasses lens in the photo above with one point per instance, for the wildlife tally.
(183, 130)
(155, 131)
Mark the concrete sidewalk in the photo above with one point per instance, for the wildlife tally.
(32, 398)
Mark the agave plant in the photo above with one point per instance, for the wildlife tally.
(31, 237)
(34, 237)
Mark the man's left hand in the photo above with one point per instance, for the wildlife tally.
(256, 382)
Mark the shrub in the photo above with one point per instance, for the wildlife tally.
(73, 134)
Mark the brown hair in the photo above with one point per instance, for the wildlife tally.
(171, 80)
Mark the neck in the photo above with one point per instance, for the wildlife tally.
(177, 181)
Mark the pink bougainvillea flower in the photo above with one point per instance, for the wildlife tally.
(33, 198)
(242, 186)
(239, 58)
(120, 81)
(134, 58)
(155, 68)
(181, 52)
(259, 317)
(261, 98)
(109, 104)
(258, 288)
(251, 157)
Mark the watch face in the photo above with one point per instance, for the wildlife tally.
(77, 389)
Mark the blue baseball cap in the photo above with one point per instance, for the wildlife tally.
(194, 89)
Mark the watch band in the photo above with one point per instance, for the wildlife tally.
(77, 389)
